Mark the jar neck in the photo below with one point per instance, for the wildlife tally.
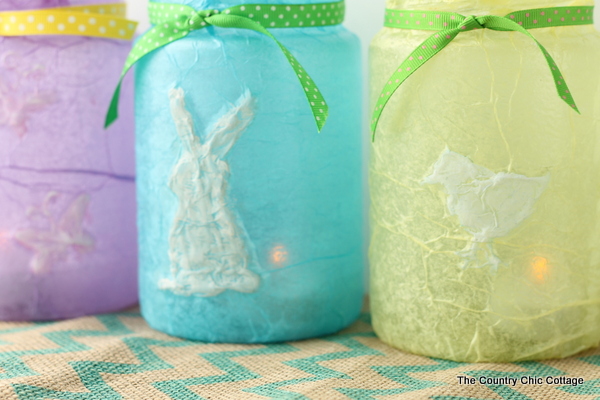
(482, 7)
(222, 4)
(14, 5)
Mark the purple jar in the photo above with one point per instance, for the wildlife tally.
(67, 193)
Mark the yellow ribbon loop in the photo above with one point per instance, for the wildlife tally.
(102, 20)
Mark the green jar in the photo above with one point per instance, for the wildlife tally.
(485, 192)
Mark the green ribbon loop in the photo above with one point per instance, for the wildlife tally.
(448, 25)
(175, 21)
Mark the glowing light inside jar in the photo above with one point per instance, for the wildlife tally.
(539, 269)
(279, 255)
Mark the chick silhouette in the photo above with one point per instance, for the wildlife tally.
(488, 205)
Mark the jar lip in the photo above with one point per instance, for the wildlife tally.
(481, 7)
(18, 5)
(222, 4)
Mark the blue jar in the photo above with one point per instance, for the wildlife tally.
(250, 222)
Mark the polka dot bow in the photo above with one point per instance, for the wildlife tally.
(101, 20)
(448, 25)
(175, 21)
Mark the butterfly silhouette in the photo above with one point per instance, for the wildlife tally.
(65, 234)
(17, 105)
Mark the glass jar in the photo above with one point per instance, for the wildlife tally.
(250, 221)
(485, 188)
(67, 190)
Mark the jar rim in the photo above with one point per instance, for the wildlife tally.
(482, 7)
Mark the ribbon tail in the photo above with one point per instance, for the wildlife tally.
(317, 103)
(500, 23)
(155, 38)
(426, 50)
(113, 108)
(561, 85)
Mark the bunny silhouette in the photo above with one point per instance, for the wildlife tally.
(207, 248)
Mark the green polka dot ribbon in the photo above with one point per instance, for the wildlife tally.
(448, 25)
(175, 21)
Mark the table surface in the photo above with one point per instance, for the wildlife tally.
(117, 356)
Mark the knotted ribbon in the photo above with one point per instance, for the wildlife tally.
(175, 21)
(100, 20)
(449, 25)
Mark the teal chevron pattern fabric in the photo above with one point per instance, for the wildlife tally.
(117, 356)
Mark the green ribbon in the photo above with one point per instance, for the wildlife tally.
(449, 25)
(175, 21)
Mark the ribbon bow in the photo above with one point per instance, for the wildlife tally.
(449, 25)
(175, 21)
(198, 20)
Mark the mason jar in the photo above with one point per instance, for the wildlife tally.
(250, 220)
(485, 188)
(67, 190)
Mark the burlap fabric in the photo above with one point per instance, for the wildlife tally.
(118, 356)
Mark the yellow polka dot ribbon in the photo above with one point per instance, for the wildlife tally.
(101, 20)
(449, 25)
(175, 21)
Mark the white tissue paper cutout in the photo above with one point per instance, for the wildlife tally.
(16, 104)
(207, 248)
(487, 205)
(63, 236)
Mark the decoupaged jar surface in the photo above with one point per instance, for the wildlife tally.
(67, 190)
(485, 192)
(251, 226)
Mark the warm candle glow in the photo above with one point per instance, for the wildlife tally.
(539, 269)
(279, 255)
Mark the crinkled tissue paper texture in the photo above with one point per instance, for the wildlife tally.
(485, 192)
(250, 221)
(67, 190)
